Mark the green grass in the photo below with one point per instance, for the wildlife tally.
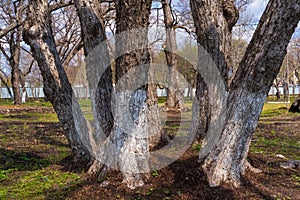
(9, 102)
(29, 117)
(28, 156)
(40, 184)
(275, 140)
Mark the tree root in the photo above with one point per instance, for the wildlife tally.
(252, 169)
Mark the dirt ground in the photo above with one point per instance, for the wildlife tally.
(184, 178)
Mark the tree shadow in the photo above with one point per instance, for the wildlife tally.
(21, 161)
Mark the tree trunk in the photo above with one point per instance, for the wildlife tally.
(213, 22)
(3, 79)
(130, 132)
(277, 90)
(14, 63)
(38, 34)
(98, 69)
(175, 95)
(225, 155)
(154, 118)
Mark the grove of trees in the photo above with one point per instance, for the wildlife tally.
(126, 122)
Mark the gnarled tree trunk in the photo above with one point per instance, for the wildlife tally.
(38, 34)
(224, 155)
(130, 132)
(98, 69)
(213, 21)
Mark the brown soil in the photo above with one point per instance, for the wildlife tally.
(184, 178)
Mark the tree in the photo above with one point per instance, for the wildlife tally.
(175, 95)
(100, 75)
(132, 60)
(237, 106)
(12, 12)
(38, 35)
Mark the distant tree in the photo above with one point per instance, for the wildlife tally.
(175, 94)
(10, 45)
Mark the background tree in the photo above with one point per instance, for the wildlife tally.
(175, 94)
(12, 12)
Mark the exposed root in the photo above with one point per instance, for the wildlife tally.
(252, 169)
(97, 170)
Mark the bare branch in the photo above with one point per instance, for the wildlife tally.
(11, 27)
(75, 50)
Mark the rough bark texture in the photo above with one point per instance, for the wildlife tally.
(3, 80)
(98, 68)
(226, 159)
(175, 94)
(154, 122)
(15, 52)
(213, 21)
(38, 34)
(132, 66)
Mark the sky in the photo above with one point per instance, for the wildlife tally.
(257, 8)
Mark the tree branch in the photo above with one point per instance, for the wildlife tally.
(75, 50)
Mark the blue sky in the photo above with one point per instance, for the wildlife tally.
(257, 8)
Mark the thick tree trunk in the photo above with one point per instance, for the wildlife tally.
(38, 34)
(225, 157)
(213, 21)
(130, 132)
(98, 69)
(175, 95)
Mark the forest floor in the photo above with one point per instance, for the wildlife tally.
(35, 164)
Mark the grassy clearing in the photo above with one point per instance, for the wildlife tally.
(277, 133)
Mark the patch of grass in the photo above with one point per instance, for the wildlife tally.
(30, 117)
(155, 173)
(5, 173)
(39, 184)
(9, 102)
(272, 146)
(273, 110)
(296, 178)
(21, 161)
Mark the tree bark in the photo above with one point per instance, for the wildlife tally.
(130, 132)
(38, 34)
(3, 79)
(154, 123)
(175, 95)
(225, 157)
(213, 22)
(98, 69)
(15, 51)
